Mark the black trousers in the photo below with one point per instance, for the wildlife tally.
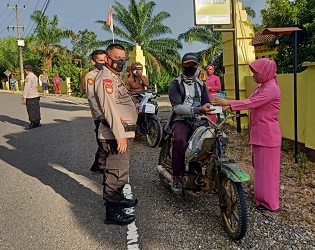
(33, 111)
(96, 163)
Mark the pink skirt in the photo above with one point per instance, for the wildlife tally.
(266, 163)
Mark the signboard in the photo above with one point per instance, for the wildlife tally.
(211, 12)
(7, 72)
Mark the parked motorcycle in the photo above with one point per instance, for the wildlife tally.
(208, 168)
(148, 123)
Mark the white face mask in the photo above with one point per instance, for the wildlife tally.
(134, 72)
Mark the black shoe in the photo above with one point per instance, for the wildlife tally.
(31, 126)
(126, 203)
(261, 207)
(96, 169)
(177, 185)
(115, 215)
(38, 125)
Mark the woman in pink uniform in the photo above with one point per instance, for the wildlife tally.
(265, 134)
(213, 85)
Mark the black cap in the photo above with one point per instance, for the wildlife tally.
(189, 57)
(28, 67)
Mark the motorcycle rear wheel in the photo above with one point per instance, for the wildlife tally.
(153, 132)
(234, 213)
(165, 160)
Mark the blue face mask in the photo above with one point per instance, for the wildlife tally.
(99, 65)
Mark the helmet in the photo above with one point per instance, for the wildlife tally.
(136, 66)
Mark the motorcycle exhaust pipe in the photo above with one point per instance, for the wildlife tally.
(161, 170)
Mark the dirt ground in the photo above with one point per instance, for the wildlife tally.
(297, 181)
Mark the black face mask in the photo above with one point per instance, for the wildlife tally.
(99, 65)
(189, 71)
(117, 65)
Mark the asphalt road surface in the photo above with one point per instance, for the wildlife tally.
(50, 200)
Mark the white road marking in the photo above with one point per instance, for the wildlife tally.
(132, 233)
(59, 98)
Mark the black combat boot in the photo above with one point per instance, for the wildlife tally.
(126, 203)
(115, 215)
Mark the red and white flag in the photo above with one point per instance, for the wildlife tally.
(109, 21)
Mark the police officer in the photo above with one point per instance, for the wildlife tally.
(116, 134)
(98, 61)
(31, 97)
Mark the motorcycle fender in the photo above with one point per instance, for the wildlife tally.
(234, 172)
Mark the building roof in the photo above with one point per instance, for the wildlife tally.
(260, 38)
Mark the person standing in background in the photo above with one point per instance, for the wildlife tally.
(13, 83)
(213, 85)
(265, 135)
(45, 83)
(98, 61)
(31, 97)
(56, 81)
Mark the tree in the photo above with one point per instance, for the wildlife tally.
(285, 13)
(139, 25)
(47, 37)
(84, 44)
(205, 35)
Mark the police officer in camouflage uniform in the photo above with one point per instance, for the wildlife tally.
(98, 61)
(116, 134)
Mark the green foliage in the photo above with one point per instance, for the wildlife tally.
(205, 35)
(285, 13)
(162, 80)
(9, 58)
(250, 12)
(84, 44)
(46, 38)
(285, 145)
(137, 24)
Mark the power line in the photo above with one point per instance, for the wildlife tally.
(31, 19)
(44, 7)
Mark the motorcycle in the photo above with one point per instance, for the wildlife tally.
(148, 123)
(207, 168)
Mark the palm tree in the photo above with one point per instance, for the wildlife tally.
(205, 35)
(138, 25)
(47, 37)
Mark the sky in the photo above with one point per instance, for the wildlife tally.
(82, 14)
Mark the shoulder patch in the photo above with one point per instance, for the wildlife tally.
(90, 81)
(108, 83)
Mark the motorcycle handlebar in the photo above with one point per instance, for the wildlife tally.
(218, 126)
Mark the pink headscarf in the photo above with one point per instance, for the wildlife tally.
(265, 68)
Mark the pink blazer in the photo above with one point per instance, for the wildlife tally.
(214, 82)
(264, 105)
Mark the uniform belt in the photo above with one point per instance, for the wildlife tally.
(126, 126)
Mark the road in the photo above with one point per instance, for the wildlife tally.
(50, 200)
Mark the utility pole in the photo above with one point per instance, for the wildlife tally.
(20, 41)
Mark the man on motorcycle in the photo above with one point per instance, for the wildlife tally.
(188, 96)
(136, 81)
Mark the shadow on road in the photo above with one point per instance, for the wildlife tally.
(71, 145)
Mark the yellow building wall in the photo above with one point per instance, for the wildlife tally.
(305, 104)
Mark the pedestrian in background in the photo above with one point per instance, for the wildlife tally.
(116, 133)
(56, 81)
(13, 82)
(45, 83)
(31, 97)
(213, 85)
(265, 135)
(98, 61)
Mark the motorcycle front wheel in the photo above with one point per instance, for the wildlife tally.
(234, 210)
(153, 132)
